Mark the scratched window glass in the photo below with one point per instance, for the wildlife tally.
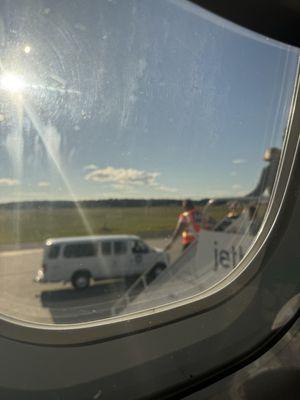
(139, 146)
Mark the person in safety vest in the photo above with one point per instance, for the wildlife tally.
(188, 225)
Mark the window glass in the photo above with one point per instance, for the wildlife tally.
(120, 247)
(53, 251)
(79, 250)
(106, 248)
(139, 247)
(111, 114)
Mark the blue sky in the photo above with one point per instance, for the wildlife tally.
(135, 99)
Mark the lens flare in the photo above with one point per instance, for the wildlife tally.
(12, 83)
(27, 49)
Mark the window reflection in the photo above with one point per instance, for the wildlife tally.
(111, 115)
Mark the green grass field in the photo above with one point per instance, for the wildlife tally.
(33, 226)
(36, 225)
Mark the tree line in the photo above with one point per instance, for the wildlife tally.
(29, 205)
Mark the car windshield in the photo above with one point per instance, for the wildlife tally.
(151, 122)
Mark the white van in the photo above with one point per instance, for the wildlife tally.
(80, 259)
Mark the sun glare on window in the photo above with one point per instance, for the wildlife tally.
(12, 83)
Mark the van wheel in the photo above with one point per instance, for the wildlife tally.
(81, 280)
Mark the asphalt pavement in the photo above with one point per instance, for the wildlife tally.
(22, 298)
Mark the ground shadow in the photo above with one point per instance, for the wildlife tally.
(68, 305)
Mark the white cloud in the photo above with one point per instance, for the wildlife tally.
(233, 173)
(239, 161)
(43, 184)
(90, 167)
(9, 182)
(122, 176)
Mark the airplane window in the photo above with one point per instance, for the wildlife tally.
(132, 122)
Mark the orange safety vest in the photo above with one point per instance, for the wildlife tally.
(191, 220)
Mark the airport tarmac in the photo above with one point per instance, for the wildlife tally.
(22, 298)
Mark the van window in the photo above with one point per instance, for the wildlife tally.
(106, 248)
(120, 247)
(80, 250)
(139, 247)
(53, 251)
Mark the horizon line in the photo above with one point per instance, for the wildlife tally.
(102, 199)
